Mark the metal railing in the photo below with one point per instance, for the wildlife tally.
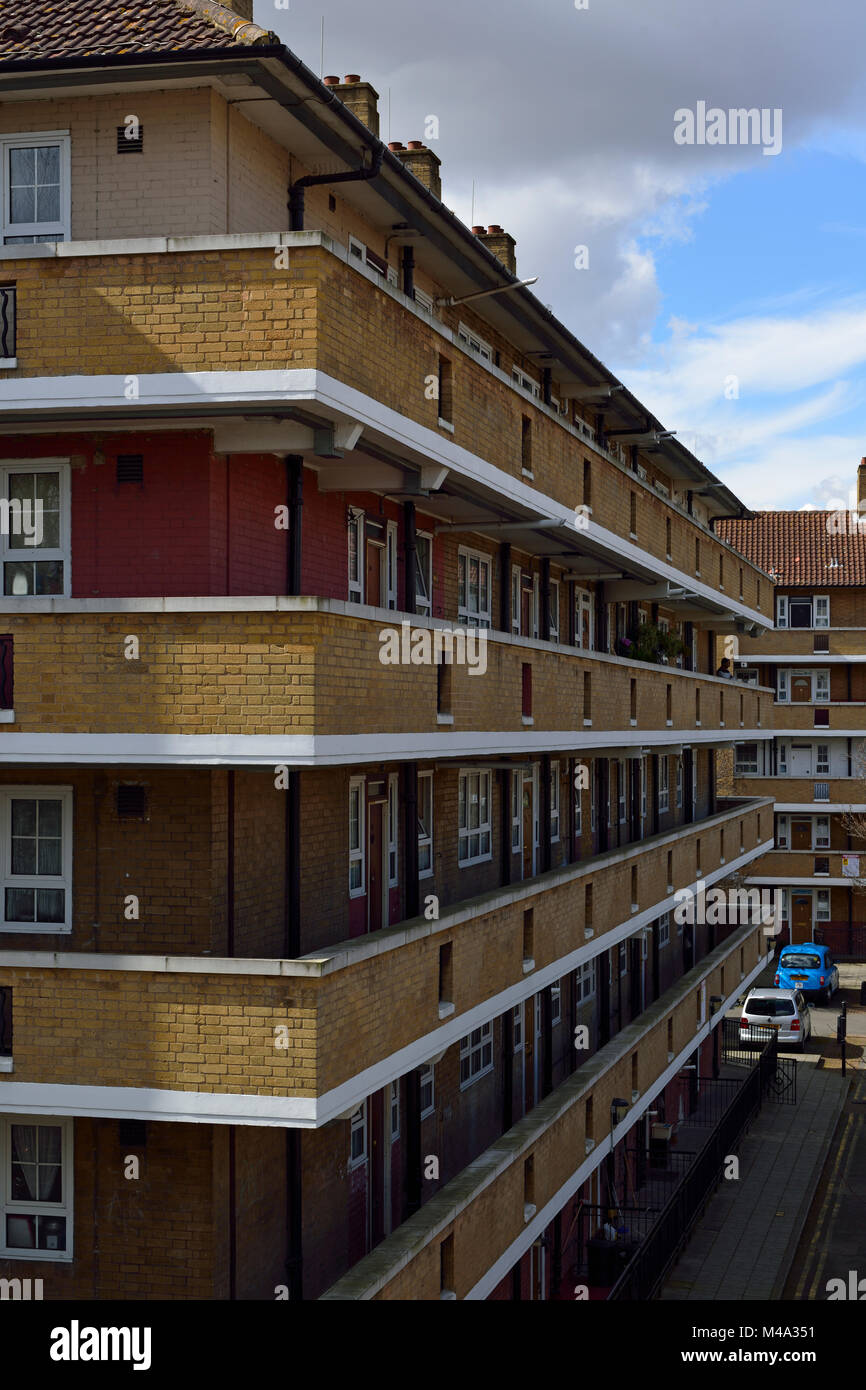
(648, 1266)
(7, 321)
(822, 791)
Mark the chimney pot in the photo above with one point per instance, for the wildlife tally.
(396, 145)
(332, 81)
(478, 230)
(352, 77)
(416, 145)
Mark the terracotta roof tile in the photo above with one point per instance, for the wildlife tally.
(43, 29)
(801, 548)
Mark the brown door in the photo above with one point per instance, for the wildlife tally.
(374, 881)
(801, 917)
(801, 835)
(373, 590)
(801, 690)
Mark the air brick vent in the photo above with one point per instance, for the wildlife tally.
(130, 468)
(129, 143)
(131, 803)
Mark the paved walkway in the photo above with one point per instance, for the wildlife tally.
(743, 1246)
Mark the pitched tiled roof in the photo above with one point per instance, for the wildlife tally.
(36, 30)
(802, 548)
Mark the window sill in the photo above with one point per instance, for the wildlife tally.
(447, 1296)
(587, 723)
(526, 473)
(588, 933)
(632, 723)
(527, 721)
(6, 1064)
(7, 363)
(671, 1056)
(445, 425)
(590, 1145)
(446, 1009)
(697, 723)
(528, 965)
(445, 719)
(635, 907)
(635, 1096)
(529, 1210)
(669, 723)
(7, 716)
(632, 535)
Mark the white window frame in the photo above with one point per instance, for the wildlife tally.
(466, 780)
(782, 759)
(820, 840)
(578, 809)
(679, 781)
(517, 1027)
(515, 600)
(555, 1002)
(782, 610)
(358, 1125)
(783, 832)
(427, 1077)
(664, 784)
(470, 1051)
(8, 794)
(820, 611)
(664, 930)
(425, 300)
(63, 226)
(583, 602)
(425, 840)
(622, 958)
(355, 521)
(31, 553)
(424, 602)
(621, 790)
(822, 765)
(10, 1207)
(536, 606)
(643, 790)
(554, 803)
(821, 685)
(474, 617)
(783, 691)
(358, 855)
(394, 1110)
(745, 768)
(554, 610)
(585, 979)
(526, 383)
(821, 913)
(474, 342)
(516, 812)
(391, 585)
(393, 831)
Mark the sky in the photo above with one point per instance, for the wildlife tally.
(724, 284)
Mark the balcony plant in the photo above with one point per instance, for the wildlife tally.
(651, 643)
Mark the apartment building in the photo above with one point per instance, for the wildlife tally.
(329, 969)
(813, 767)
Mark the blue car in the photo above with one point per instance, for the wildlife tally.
(809, 968)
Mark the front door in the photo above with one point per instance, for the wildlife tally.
(801, 834)
(801, 917)
(373, 589)
(801, 760)
(801, 689)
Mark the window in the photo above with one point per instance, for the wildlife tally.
(621, 790)
(516, 811)
(781, 610)
(424, 301)
(474, 833)
(554, 803)
(556, 1002)
(622, 957)
(364, 256)
(583, 620)
(665, 929)
(517, 1027)
(358, 1137)
(356, 837)
(423, 573)
(473, 588)
(391, 565)
(584, 982)
(475, 344)
(393, 831)
(782, 836)
(35, 199)
(822, 687)
(578, 807)
(394, 1101)
(36, 859)
(356, 555)
(664, 792)
(822, 905)
(37, 497)
(783, 903)
(554, 610)
(822, 762)
(536, 605)
(643, 782)
(425, 824)
(822, 611)
(515, 599)
(428, 1096)
(782, 690)
(782, 754)
(822, 832)
(525, 382)
(476, 1055)
(745, 758)
(35, 1189)
(679, 776)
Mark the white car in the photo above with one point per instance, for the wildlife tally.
(784, 1010)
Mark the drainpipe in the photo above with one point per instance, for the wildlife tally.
(408, 268)
(292, 868)
(296, 189)
(295, 500)
(294, 1244)
(230, 867)
(411, 559)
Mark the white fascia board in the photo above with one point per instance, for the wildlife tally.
(822, 881)
(145, 1103)
(303, 385)
(334, 750)
(810, 659)
(827, 808)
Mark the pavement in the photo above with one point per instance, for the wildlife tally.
(774, 1216)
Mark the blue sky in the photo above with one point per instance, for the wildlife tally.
(708, 266)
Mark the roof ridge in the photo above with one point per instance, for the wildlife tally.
(243, 30)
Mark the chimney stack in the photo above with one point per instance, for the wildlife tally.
(861, 488)
(501, 243)
(421, 162)
(361, 98)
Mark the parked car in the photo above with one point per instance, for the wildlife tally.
(808, 968)
(784, 1010)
